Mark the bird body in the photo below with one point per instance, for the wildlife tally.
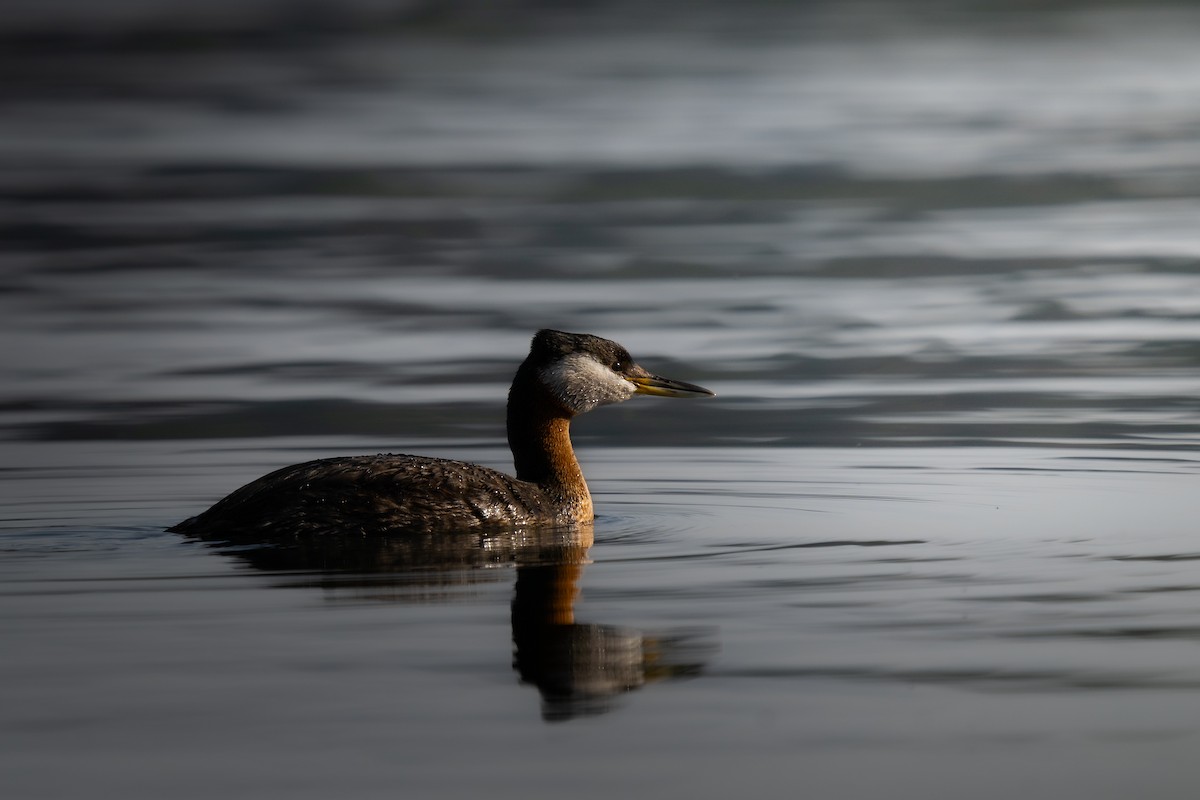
(565, 374)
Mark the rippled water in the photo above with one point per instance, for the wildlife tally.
(935, 535)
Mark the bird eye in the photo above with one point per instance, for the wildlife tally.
(618, 366)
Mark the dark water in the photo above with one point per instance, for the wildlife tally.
(935, 537)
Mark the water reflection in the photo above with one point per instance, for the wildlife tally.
(579, 668)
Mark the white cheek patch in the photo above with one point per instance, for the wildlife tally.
(582, 383)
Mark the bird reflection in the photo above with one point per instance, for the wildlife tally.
(578, 668)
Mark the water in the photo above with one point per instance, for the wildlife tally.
(935, 535)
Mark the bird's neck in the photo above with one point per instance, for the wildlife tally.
(539, 435)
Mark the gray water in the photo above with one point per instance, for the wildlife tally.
(935, 536)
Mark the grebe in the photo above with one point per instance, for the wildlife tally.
(565, 374)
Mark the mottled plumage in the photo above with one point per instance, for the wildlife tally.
(564, 375)
(377, 493)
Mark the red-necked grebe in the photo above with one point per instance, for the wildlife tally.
(565, 374)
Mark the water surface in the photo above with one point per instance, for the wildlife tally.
(935, 535)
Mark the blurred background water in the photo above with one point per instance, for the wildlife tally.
(939, 261)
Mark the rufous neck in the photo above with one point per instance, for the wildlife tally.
(539, 435)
